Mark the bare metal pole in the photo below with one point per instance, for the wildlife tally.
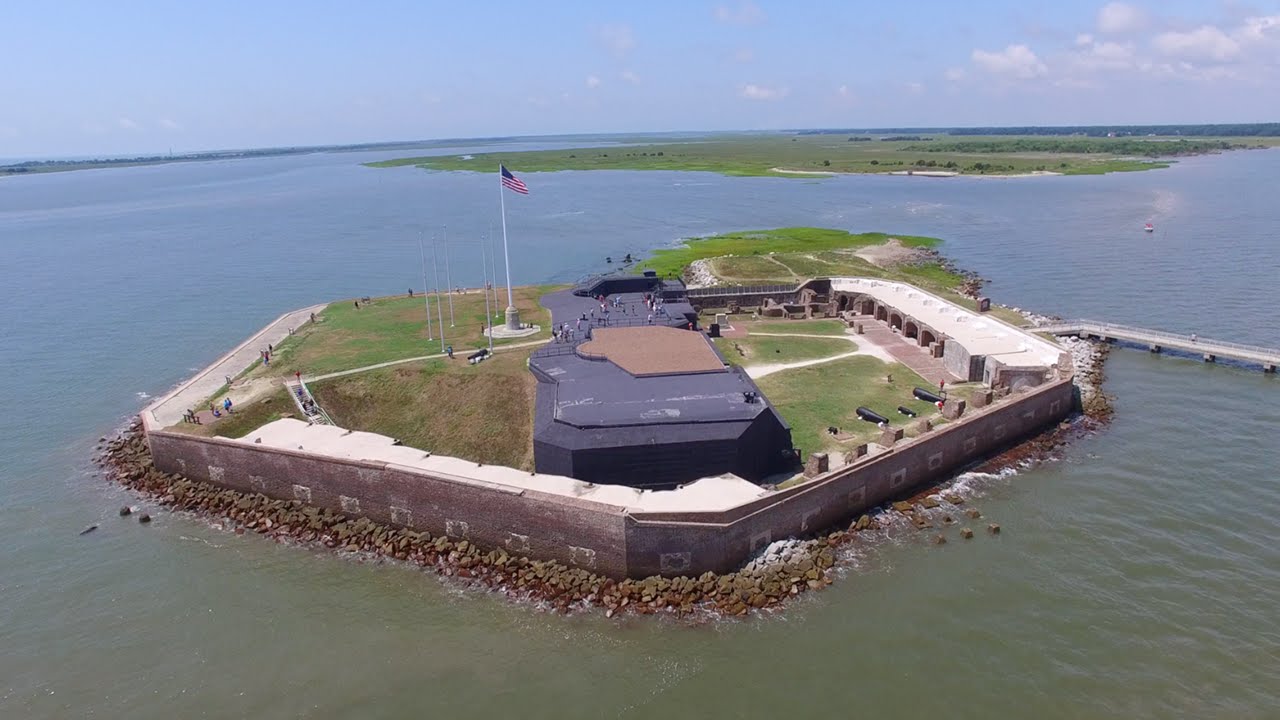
(488, 315)
(447, 277)
(435, 272)
(426, 296)
(493, 265)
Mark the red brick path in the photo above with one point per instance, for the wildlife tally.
(905, 351)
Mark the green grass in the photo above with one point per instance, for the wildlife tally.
(765, 154)
(392, 328)
(803, 327)
(813, 398)
(245, 418)
(482, 413)
(672, 261)
(761, 350)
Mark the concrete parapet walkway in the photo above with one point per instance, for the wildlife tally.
(169, 409)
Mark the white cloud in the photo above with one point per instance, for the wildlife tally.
(915, 88)
(744, 13)
(1206, 42)
(593, 82)
(630, 77)
(1104, 55)
(1015, 61)
(1084, 39)
(169, 124)
(954, 74)
(617, 38)
(844, 92)
(752, 91)
(1118, 17)
(1259, 30)
(127, 124)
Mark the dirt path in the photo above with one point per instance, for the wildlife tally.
(759, 371)
(888, 254)
(458, 355)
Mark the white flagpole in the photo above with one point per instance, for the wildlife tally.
(513, 317)
(426, 296)
(447, 277)
(435, 271)
(484, 270)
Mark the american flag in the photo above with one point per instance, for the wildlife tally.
(511, 182)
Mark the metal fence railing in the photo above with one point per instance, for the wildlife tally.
(742, 290)
(306, 403)
(1098, 327)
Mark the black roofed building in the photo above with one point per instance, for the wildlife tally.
(651, 406)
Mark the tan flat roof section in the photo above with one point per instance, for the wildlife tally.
(654, 350)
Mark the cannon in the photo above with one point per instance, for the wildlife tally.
(871, 416)
(925, 395)
(906, 411)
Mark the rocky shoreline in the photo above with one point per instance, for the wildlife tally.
(1089, 359)
(785, 570)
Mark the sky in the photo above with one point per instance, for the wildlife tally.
(121, 77)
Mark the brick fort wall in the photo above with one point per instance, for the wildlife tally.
(603, 538)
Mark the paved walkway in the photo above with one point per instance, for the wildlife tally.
(168, 410)
(905, 351)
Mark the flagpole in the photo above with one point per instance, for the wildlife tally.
(426, 296)
(435, 271)
(484, 270)
(513, 315)
(493, 264)
(447, 277)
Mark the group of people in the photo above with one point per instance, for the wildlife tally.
(308, 404)
(564, 333)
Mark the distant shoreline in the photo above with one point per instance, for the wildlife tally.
(918, 173)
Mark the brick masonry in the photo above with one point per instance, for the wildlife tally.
(603, 538)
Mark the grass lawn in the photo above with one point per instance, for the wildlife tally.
(245, 418)
(476, 412)
(766, 154)
(770, 350)
(795, 267)
(814, 398)
(393, 328)
(799, 327)
(746, 245)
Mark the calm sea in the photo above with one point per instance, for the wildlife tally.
(1138, 578)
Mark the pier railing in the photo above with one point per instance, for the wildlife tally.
(1269, 357)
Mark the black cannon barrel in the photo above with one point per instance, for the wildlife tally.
(926, 396)
(871, 415)
(906, 411)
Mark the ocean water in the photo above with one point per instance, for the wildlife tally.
(1138, 578)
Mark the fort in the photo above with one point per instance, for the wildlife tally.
(655, 451)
